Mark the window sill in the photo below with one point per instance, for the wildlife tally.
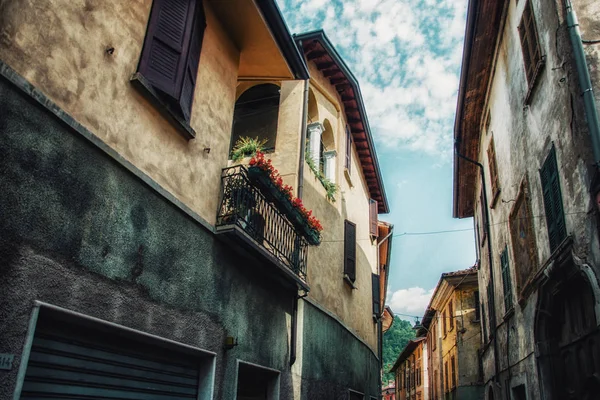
(143, 86)
(349, 282)
(538, 71)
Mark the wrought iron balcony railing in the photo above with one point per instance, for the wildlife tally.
(246, 211)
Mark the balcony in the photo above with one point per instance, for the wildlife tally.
(257, 223)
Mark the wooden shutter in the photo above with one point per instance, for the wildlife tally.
(350, 250)
(451, 314)
(166, 45)
(348, 162)
(553, 201)
(529, 42)
(444, 322)
(193, 59)
(376, 294)
(506, 283)
(490, 298)
(493, 166)
(373, 229)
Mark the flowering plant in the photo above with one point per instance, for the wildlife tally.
(265, 165)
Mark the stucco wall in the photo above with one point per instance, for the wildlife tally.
(325, 274)
(523, 135)
(59, 46)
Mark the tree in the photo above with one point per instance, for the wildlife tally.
(394, 341)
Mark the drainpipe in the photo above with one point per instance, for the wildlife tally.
(585, 84)
(492, 307)
(302, 134)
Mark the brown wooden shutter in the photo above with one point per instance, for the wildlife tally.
(350, 250)
(348, 162)
(373, 230)
(191, 68)
(493, 166)
(376, 294)
(166, 45)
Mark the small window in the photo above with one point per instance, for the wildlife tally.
(493, 166)
(451, 315)
(171, 52)
(519, 393)
(553, 205)
(530, 44)
(453, 366)
(350, 251)
(373, 218)
(506, 282)
(348, 161)
(255, 382)
(444, 325)
(490, 295)
(376, 295)
(446, 380)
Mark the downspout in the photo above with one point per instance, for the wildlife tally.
(303, 135)
(585, 83)
(490, 256)
(294, 329)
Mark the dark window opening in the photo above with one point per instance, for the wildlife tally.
(506, 282)
(350, 250)
(256, 383)
(553, 204)
(256, 114)
(530, 44)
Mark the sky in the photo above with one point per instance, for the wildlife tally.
(406, 55)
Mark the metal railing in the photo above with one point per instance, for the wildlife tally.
(243, 205)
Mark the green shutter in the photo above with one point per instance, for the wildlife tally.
(506, 283)
(555, 217)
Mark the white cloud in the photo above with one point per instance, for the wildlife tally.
(406, 55)
(411, 301)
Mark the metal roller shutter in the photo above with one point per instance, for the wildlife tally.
(74, 362)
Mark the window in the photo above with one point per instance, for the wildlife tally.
(477, 305)
(530, 45)
(506, 283)
(453, 366)
(484, 324)
(553, 201)
(376, 295)
(350, 250)
(493, 166)
(373, 229)
(446, 387)
(257, 382)
(451, 314)
(348, 162)
(433, 336)
(519, 393)
(171, 52)
(484, 218)
(444, 318)
(523, 237)
(256, 114)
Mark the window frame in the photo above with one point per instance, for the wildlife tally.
(493, 168)
(553, 201)
(350, 251)
(451, 315)
(533, 60)
(506, 280)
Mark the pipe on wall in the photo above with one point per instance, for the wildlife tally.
(585, 83)
(492, 307)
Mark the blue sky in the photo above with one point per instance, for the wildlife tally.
(406, 55)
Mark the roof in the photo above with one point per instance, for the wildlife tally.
(481, 36)
(317, 47)
(408, 350)
(283, 37)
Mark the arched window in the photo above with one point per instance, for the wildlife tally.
(313, 108)
(255, 115)
(328, 153)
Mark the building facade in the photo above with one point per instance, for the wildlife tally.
(410, 371)
(389, 392)
(136, 257)
(526, 169)
(451, 327)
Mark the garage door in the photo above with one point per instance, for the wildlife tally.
(71, 361)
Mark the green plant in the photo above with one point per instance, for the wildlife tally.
(247, 147)
(330, 187)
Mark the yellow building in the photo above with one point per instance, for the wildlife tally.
(127, 215)
(452, 328)
(410, 371)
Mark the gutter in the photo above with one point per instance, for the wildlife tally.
(585, 83)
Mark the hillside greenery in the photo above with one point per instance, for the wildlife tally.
(394, 341)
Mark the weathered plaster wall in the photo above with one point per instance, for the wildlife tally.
(325, 274)
(588, 15)
(65, 58)
(523, 136)
(81, 232)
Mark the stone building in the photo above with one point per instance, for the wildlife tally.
(410, 371)
(451, 327)
(136, 258)
(526, 168)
